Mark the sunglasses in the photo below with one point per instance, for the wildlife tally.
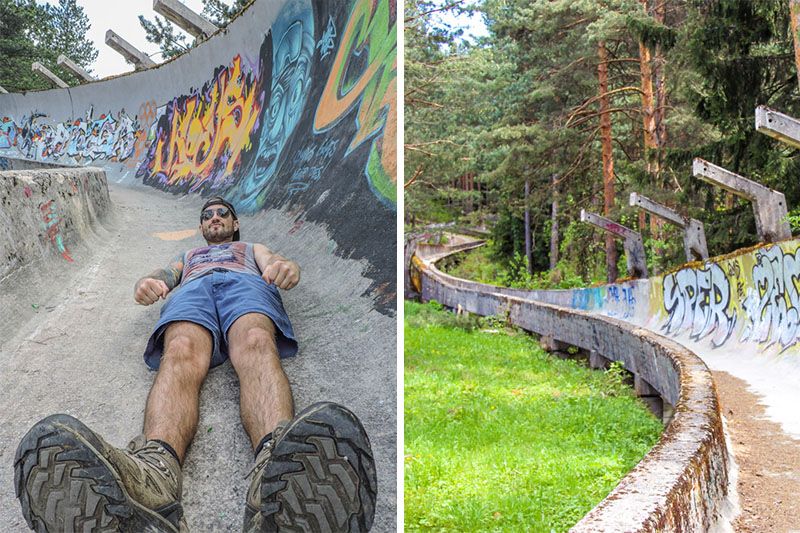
(208, 214)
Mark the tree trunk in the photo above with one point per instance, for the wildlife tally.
(653, 114)
(554, 225)
(794, 8)
(608, 160)
(528, 227)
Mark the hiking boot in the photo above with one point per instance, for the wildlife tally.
(67, 478)
(315, 474)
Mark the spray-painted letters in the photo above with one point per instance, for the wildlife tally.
(697, 300)
(82, 141)
(772, 306)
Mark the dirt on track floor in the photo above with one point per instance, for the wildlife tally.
(768, 460)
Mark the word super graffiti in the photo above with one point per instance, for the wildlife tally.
(51, 224)
(772, 308)
(696, 300)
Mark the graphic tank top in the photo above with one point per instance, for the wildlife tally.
(230, 256)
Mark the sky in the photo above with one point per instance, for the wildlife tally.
(473, 26)
(122, 16)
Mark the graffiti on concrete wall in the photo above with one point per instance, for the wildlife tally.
(234, 133)
(697, 301)
(199, 138)
(289, 83)
(613, 300)
(772, 306)
(82, 141)
(373, 88)
(189, 151)
(51, 223)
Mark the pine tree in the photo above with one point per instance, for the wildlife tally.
(173, 41)
(30, 32)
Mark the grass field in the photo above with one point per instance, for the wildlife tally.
(500, 436)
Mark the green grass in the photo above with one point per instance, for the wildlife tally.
(500, 436)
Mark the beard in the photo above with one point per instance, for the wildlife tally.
(218, 234)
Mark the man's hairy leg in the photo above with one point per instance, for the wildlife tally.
(265, 395)
(173, 403)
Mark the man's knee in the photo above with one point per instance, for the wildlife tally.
(258, 339)
(189, 347)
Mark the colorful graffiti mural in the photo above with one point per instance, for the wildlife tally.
(370, 26)
(325, 89)
(192, 147)
(289, 85)
(199, 138)
(82, 141)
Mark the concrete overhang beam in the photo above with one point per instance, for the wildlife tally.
(48, 76)
(75, 69)
(694, 234)
(3, 91)
(635, 257)
(769, 205)
(777, 125)
(128, 51)
(184, 17)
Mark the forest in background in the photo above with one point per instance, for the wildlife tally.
(574, 104)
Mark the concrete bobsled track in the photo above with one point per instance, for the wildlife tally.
(289, 112)
(737, 313)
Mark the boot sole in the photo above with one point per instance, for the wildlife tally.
(321, 475)
(64, 483)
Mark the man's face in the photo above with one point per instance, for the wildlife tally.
(215, 228)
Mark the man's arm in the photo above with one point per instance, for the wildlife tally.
(275, 268)
(158, 283)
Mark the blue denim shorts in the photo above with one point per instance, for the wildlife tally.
(215, 301)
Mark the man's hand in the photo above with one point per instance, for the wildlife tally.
(283, 273)
(148, 290)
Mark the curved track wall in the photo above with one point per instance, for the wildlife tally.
(292, 106)
(681, 484)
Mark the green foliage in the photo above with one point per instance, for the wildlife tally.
(522, 106)
(500, 436)
(170, 39)
(31, 32)
(482, 265)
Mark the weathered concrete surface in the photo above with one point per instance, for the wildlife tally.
(682, 483)
(41, 208)
(80, 352)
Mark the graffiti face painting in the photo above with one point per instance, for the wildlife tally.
(290, 83)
